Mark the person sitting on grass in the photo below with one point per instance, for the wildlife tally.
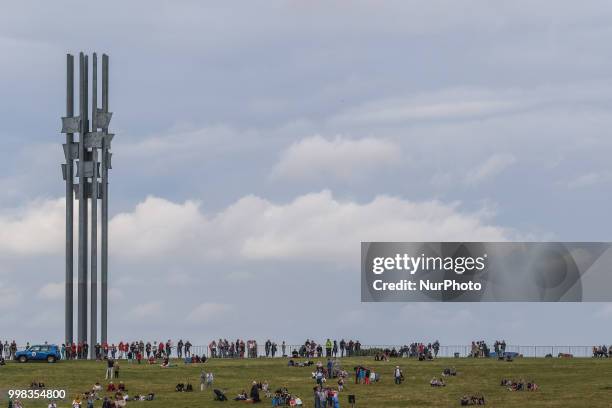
(437, 382)
(96, 388)
(265, 387)
(340, 384)
(219, 395)
(449, 372)
(121, 387)
(106, 403)
(111, 387)
(531, 386)
(119, 400)
(472, 400)
(242, 396)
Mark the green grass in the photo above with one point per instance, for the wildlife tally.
(564, 382)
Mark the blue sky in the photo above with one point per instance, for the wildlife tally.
(258, 143)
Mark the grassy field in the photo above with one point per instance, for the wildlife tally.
(585, 383)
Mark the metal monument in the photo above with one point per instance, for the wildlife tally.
(90, 156)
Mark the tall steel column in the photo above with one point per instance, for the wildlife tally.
(83, 188)
(94, 210)
(106, 157)
(93, 160)
(68, 172)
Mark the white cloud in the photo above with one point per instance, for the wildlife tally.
(36, 229)
(314, 226)
(206, 312)
(52, 291)
(156, 227)
(341, 158)
(489, 168)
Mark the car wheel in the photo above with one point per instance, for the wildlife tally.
(23, 359)
(51, 359)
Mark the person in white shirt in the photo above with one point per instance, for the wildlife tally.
(398, 375)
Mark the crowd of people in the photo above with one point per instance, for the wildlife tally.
(499, 347)
(117, 397)
(520, 385)
(479, 349)
(238, 349)
(8, 350)
(602, 351)
(326, 394)
(135, 350)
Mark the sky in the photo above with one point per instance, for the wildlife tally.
(258, 143)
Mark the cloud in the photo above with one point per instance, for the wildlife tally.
(314, 226)
(340, 158)
(590, 179)
(489, 168)
(146, 310)
(206, 312)
(446, 104)
(450, 315)
(52, 291)
(36, 229)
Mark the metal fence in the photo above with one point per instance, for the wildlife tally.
(445, 351)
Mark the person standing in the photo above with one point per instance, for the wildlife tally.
(168, 348)
(328, 348)
(317, 403)
(110, 371)
(398, 375)
(179, 348)
(254, 394)
(202, 380)
(284, 348)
